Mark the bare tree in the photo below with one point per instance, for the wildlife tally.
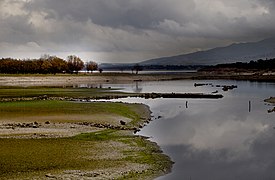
(91, 66)
(137, 68)
(58, 65)
(75, 64)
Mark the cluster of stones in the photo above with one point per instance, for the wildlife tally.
(78, 174)
(30, 98)
(23, 125)
(122, 126)
(108, 126)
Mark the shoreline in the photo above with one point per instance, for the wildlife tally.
(70, 80)
(114, 78)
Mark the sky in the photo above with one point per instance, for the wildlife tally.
(119, 31)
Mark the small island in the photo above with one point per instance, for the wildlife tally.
(271, 100)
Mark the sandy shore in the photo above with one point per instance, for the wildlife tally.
(52, 80)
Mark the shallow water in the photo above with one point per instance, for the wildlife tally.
(212, 139)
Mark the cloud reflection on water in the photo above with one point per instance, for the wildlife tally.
(217, 139)
(214, 139)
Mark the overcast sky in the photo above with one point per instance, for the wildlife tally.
(129, 30)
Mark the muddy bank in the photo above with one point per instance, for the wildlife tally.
(68, 80)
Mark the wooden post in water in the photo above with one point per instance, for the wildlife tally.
(249, 106)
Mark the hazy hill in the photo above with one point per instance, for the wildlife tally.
(241, 52)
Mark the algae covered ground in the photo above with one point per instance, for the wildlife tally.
(104, 154)
(45, 139)
(66, 111)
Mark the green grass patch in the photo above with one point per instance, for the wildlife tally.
(149, 154)
(104, 135)
(65, 111)
(29, 158)
(18, 92)
(21, 158)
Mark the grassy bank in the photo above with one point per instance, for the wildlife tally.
(41, 152)
(105, 154)
(67, 111)
(17, 92)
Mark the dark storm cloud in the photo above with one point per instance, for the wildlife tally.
(268, 3)
(129, 30)
(15, 31)
(117, 13)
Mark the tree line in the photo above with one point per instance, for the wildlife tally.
(257, 65)
(267, 65)
(46, 65)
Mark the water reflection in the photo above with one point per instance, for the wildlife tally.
(214, 139)
(137, 88)
(207, 164)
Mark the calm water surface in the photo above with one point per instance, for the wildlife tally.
(212, 139)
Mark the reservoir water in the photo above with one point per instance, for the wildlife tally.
(232, 138)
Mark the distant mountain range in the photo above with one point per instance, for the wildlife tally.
(237, 52)
(240, 52)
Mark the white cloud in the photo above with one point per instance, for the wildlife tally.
(12, 8)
